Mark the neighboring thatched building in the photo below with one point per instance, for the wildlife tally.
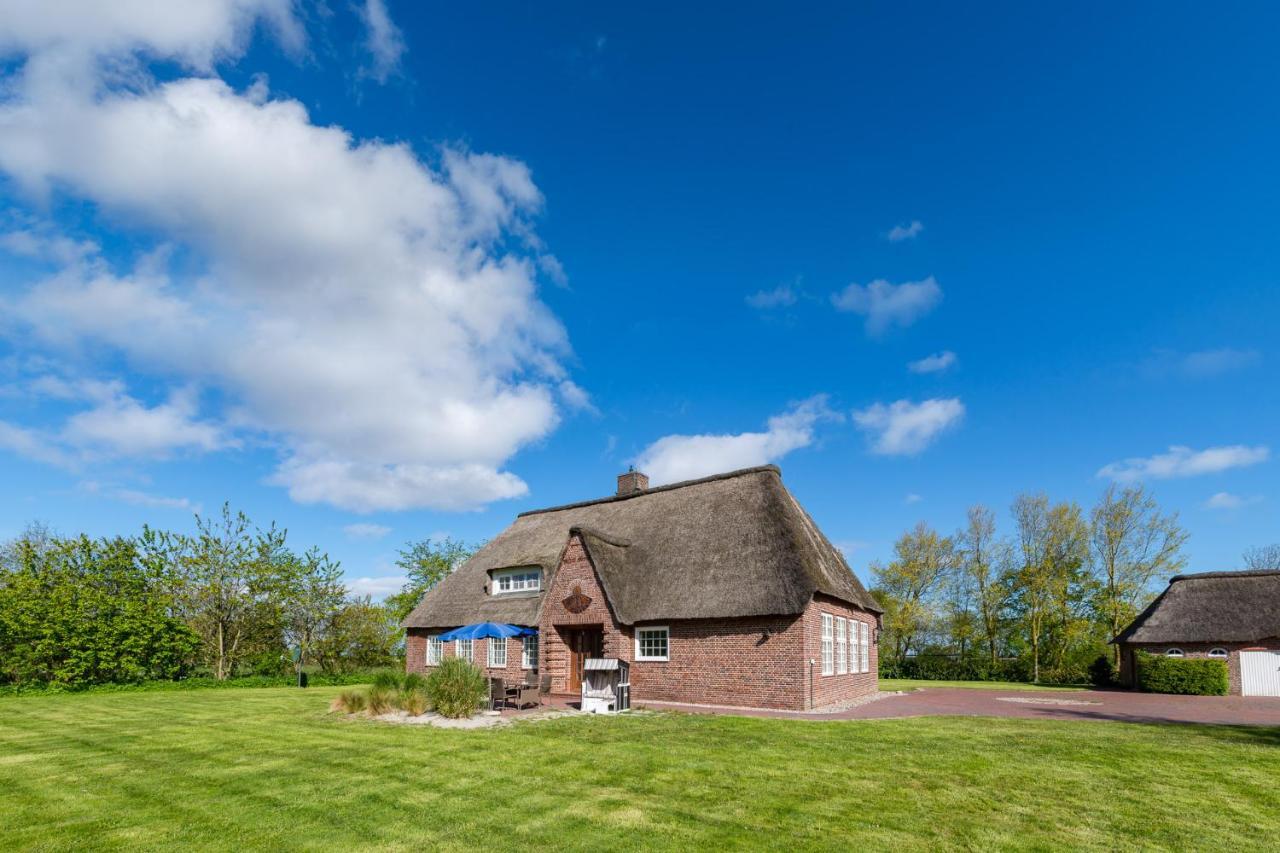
(718, 591)
(1232, 616)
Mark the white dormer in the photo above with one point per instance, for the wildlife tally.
(522, 579)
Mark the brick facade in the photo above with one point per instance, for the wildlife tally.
(1193, 650)
(761, 662)
(416, 655)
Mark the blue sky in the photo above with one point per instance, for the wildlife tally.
(420, 268)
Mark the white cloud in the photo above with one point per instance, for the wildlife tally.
(382, 39)
(905, 232)
(576, 398)
(682, 457)
(366, 531)
(781, 296)
(137, 498)
(912, 498)
(935, 363)
(1182, 461)
(904, 428)
(886, 305)
(34, 445)
(1226, 500)
(1200, 364)
(378, 588)
(122, 426)
(372, 314)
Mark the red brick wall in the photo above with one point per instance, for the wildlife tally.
(829, 689)
(1193, 650)
(416, 655)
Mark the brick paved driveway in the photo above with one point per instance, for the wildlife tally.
(1112, 705)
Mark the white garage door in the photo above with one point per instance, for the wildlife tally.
(1260, 673)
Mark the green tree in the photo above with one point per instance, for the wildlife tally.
(309, 595)
(1132, 543)
(82, 611)
(425, 563)
(984, 562)
(227, 582)
(922, 561)
(1053, 547)
(362, 635)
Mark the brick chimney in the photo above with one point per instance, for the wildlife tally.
(632, 482)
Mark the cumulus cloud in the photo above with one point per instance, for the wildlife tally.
(1226, 500)
(382, 39)
(682, 457)
(887, 305)
(782, 296)
(377, 588)
(366, 531)
(372, 314)
(904, 428)
(905, 232)
(1182, 461)
(935, 363)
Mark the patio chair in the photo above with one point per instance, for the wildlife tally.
(497, 693)
(527, 692)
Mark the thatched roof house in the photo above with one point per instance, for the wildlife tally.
(1233, 616)
(722, 556)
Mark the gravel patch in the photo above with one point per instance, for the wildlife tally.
(1037, 700)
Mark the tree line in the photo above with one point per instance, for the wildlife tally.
(226, 600)
(1039, 603)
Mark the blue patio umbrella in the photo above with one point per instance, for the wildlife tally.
(486, 629)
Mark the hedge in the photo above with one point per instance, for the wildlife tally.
(1189, 676)
(198, 683)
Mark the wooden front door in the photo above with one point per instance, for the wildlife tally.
(583, 643)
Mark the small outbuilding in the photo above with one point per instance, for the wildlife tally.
(1231, 616)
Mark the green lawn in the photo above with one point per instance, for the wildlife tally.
(251, 769)
(890, 684)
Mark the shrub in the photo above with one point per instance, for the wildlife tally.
(1190, 676)
(413, 681)
(1102, 672)
(457, 688)
(349, 702)
(388, 680)
(414, 702)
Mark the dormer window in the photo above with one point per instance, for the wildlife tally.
(517, 580)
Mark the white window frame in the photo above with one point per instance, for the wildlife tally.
(496, 643)
(842, 649)
(855, 647)
(1174, 653)
(471, 649)
(828, 662)
(865, 631)
(523, 579)
(1219, 653)
(529, 652)
(653, 629)
(435, 650)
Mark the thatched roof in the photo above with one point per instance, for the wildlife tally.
(1211, 607)
(732, 545)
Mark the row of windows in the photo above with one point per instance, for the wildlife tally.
(846, 645)
(497, 651)
(1219, 653)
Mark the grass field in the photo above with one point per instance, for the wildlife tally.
(888, 684)
(269, 768)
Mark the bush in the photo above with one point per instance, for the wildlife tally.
(1102, 672)
(1188, 676)
(457, 688)
(349, 702)
(388, 680)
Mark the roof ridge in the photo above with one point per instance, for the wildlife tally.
(607, 538)
(741, 472)
(1242, 573)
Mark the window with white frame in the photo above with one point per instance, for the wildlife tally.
(1173, 653)
(516, 580)
(842, 651)
(855, 647)
(497, 651)
(464, 649)
(827, 662)
(865, 632)
(653, 643)
(435, 651)
(529, 652)
(1219, 653)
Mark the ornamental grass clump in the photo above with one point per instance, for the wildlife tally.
(457, 688)
(349, 702)
(414, 702)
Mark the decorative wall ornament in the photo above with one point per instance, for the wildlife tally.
(577, 601)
